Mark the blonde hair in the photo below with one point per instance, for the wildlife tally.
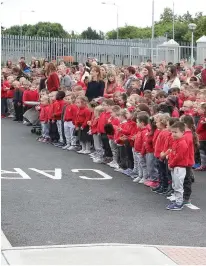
(98, 110)
(189, 103)
(163, 119)
(123, 113)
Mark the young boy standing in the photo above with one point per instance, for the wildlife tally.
(178, 161)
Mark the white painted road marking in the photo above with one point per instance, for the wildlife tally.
(192, 207)
(57, 173)
(5, 244)
(105, 176)
(17, 171)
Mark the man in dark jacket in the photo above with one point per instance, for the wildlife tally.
(18, 104)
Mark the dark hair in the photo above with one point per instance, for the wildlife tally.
(173, 71)
(173, 120)
(179, 125)
(124, 96)
(109, 129)
(143, 119)
(144, 107)
(60, 95)
(153, 126)
(131, 70)
(161, 94)
(164, 108)
(175, 89)
(189, 121)
(108, 102)
(150, 72)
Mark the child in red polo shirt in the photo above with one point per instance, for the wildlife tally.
(81, 124)
(57, 112)
(128, 132)
(43, 118)
(201, 131)
(94, 132)
(77, 78)
(107, 105)
(114, 122)
(178, 161)
(142, 124)
(151, 162)
(69, 120)
(192, 141)
(161, 123)
(30, 94)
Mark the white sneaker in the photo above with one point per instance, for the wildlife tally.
(142, 181)
(172, 198)
(66, 147)
(114, 165)
(81, 151)
(86, 152)
(93, 154)
(110, 163)
(72, 148)
(97, 161)
(11, 116)
(118, 169)
(137, 179)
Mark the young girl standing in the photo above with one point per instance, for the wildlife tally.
(193, 144)
(94, 132)
(159, 147)
(69, 120)
(43, 117)
(201, 131)
(81, 126)
(57, 112)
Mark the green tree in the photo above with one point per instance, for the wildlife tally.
(43, 29)
(167, 15)
(91, 34)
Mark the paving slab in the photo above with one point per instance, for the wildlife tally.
(97, 255)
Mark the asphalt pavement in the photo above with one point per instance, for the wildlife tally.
(69, 209)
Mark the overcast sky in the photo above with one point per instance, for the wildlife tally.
(77, 15)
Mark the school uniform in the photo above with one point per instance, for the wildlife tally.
(201, 131)
(57, 113)
(162, 163)
(103, 120)
(138, 148)
(43, 118)
(69, 116)
(178, 161)
(81, 119)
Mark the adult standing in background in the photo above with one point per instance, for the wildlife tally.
(65, 79)
(96, 86)
(130, 73)
(148, 82)
(173, 80)
(53, 82)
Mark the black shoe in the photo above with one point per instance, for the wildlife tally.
(160, 191)
(156, 188)
(16, 120)
(169, 193)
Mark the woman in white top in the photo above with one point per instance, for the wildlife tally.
(173, 81)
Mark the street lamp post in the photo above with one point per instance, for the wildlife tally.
(192, 27)
(173, 22)
(21, 12)
(152, 39)
(113, 4)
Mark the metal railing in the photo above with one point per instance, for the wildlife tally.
(114, 51)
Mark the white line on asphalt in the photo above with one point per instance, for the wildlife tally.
(192, 207)
(5, 244)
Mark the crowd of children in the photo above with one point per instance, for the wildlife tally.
(154, 137)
